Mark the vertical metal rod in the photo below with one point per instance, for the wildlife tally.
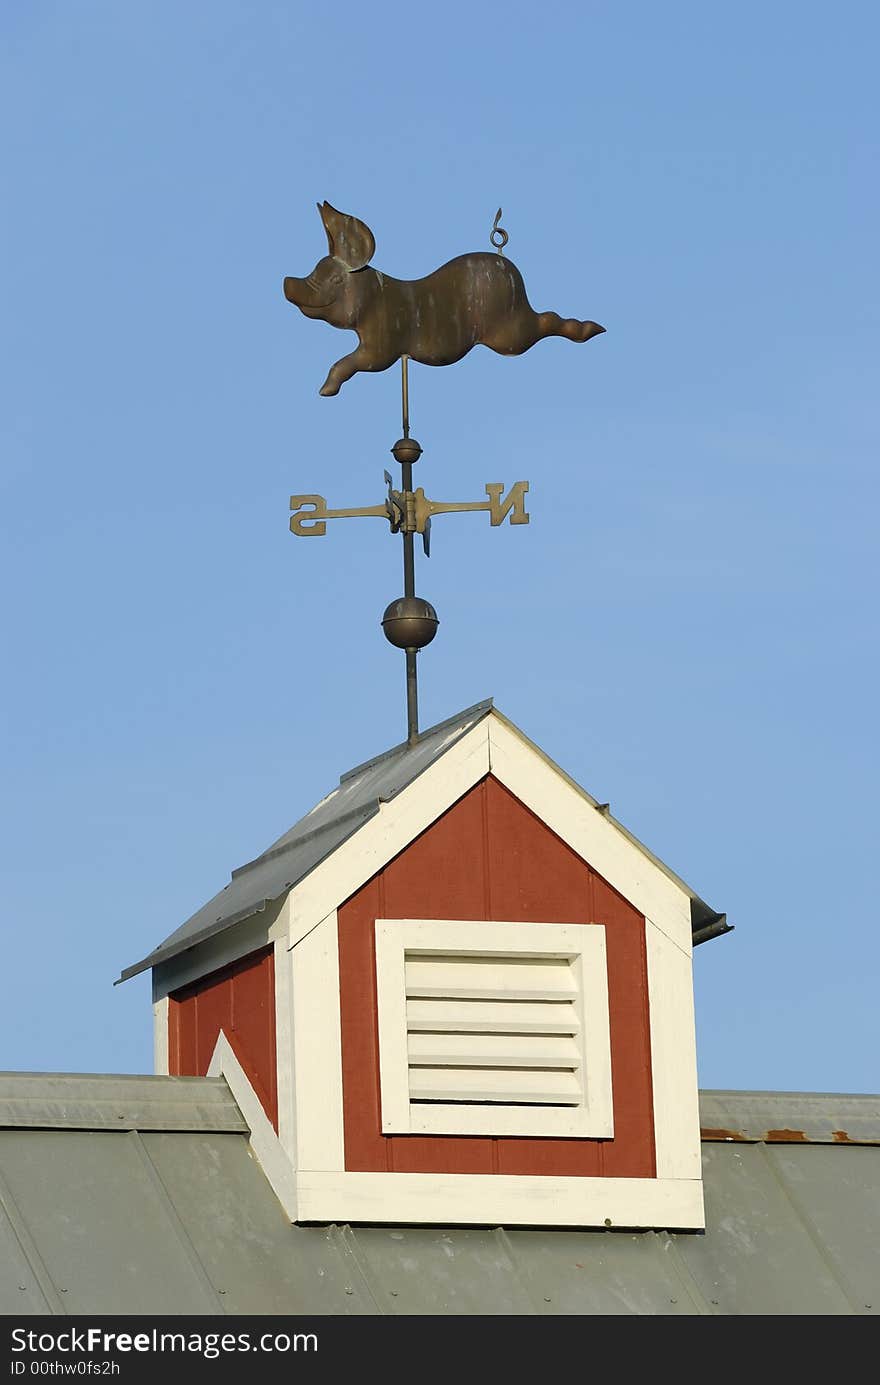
(412, 697)
(409, 572)
(404, 380)
(409, 557)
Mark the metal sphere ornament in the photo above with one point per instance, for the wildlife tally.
(410, 622)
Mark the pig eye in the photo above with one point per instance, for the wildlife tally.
(325, 274)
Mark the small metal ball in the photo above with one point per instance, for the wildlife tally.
(406, 450)
(410, 622)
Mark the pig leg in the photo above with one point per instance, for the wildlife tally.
(364, 357)
(343, 370)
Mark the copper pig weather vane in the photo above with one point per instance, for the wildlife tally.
(475, 299)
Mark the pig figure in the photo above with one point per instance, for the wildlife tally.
(475, 299)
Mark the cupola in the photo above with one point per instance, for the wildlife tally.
(456, 991)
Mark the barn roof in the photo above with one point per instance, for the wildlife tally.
(139, 1195)
(359, 796)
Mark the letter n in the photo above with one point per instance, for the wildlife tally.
(514, 500)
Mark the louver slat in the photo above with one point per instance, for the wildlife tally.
(491, 1016)
(485, 1084)
(508, 978)
(494, 1050)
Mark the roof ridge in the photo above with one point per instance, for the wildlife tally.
(487, 705)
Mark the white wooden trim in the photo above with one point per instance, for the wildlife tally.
(317, 1049)
(563, 808)
(160, 1037)
(493, 746)
(581, 944)
(284, 1047)
(264, 1142)
(673, 1057)
(500, 1199)
(391, 1021)
(595, 1017)
(383, 836)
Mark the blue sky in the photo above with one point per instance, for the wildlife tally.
(687, 625)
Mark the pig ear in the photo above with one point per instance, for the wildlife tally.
(350, 240)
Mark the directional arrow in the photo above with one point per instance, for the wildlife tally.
(409, 512)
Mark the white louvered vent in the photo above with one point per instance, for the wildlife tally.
(493, 1028)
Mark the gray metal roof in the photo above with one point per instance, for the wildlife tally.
(337, 817)
(84, 1101)
(140, 1219)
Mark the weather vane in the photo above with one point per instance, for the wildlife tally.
(478, 299)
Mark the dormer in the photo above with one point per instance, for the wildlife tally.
(457, 991)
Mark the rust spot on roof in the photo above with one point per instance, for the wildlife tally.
(720, 1134)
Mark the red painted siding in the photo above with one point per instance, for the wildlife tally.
(490, 858)
(240, 1000)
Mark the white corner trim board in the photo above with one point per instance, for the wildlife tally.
(316, 1050)
(283, 968)
(501, 1200)
(160, 1037)
(264, 1142)
(493, 1028)
(673, 1057)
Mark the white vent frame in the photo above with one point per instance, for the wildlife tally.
(583, 945)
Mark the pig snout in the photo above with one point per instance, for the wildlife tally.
(316, 296)
(309, 293)
(295, 290)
